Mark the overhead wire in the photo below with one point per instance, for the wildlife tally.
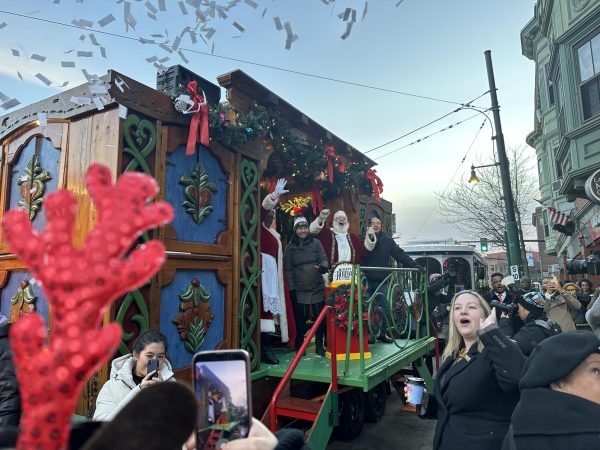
(449, 127)
(467, 105)
(229, 58)
(451, 179)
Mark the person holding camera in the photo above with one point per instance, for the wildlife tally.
(305, 263)
(536, 326)
(560, 304)
(129, 374)
(476, 388)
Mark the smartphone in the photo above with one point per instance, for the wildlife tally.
(222, 389)
(152, 366)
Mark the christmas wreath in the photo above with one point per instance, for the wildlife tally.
(339, 299)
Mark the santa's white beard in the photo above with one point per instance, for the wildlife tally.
(340, 228)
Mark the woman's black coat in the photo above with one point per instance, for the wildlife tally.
(473, 400)
(10, 401)
(547, 419)
(299, 260)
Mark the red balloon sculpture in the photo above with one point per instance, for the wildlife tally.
(79, 284)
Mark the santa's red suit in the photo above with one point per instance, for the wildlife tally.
(339, 246)
(276, 301)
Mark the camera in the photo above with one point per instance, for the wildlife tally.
(450, 274)
(508, 308)
(589, 265)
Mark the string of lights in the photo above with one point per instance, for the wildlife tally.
(229, 58)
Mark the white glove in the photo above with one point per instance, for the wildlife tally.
(280, 188)
(323, 215)
(370, 233)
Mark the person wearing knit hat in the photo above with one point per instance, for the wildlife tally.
(536, 326)
(305, 263)
(560, 396)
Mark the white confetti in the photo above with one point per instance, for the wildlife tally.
(85, 54)
(99, 103)
(152, 59)
(150, 7)
(165, 59)
(103, 52)
(3, 97)
(365, 10)
(278, 24)
(2, 25)
(41, 117)
(64, 84)
(98, 89)
(166, 48)
(93, 39)
(193, 37)
(37, 57)
(81, 100)
(176, 43)
(82, 23)
(15, 52)
(182, 56)
(263, 13)
(67, 64)
(251, 3)
(120, 83)
(146, 41)
(162, 5)
(348, 30)
(209, 33)
(152, 16)
(43, 79)
(239, 27)
(183, 8)
(19, 75)
(88, 76)
(10, 103)
(106, 20)
(123, 111)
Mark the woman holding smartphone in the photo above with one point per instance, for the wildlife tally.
(129, 374)
(476, 388)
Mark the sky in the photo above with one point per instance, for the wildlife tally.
(430, 48)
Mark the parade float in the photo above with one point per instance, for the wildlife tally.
(214, 162)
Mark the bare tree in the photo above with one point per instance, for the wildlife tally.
(478, 210)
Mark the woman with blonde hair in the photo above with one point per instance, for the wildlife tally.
(476, 388)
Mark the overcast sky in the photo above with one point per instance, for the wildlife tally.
(431, 48)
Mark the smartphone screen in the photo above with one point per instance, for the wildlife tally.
(152, 366)
(221, 384)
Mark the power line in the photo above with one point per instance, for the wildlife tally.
(466, 105)
(228, 58)
(449, 127)
(451, 179)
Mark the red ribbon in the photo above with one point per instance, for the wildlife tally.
(376, 183)
(330, 156)
(317, 200)
(199, 123)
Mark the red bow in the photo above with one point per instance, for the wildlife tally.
(317, 200)
(199, 123)
(376, 183)
(330, 156)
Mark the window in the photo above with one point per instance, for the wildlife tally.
(559, 170)
(546, 229)
(588, 56)
(549, 85)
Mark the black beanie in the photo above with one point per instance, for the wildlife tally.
(556, 357)
(532, 302)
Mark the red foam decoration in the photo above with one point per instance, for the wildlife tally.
(79, 284)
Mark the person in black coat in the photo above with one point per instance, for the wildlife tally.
(305, 262)
(384, 251)
(10, 400)
(476, 388)
(560, 396)
(536, 326)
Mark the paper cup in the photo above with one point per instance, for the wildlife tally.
(415, 387)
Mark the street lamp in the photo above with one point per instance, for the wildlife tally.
(474, 178)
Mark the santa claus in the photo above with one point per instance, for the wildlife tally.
(275, 298)
(339, 244)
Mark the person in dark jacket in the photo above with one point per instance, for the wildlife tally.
(384, 251)
(585, 297)
(304, 263)
(560, 396)
(536, 326)
(476, 388)
(10, 400)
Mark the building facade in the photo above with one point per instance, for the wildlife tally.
(563, 39)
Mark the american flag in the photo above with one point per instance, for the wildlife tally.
(558, 217)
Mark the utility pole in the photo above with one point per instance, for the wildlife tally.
(512, 235)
